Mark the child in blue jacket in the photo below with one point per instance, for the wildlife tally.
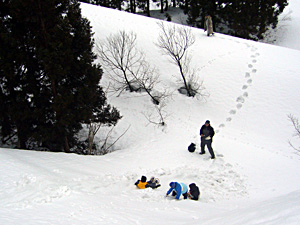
(178, 189)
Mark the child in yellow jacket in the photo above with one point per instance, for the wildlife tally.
(142, 183)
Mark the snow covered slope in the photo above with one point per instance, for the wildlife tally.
(253, 180)
(288, 29)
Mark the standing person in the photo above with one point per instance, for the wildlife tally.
(207, 133)
(178, 189)
(208, 25)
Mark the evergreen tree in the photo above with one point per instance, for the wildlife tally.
(115, 4)
(251, 18)
(194, 11)
(49, 83)
(198, 9)
(144, 5)
(245, 18)
(19, 71)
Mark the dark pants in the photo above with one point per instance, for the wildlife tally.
(208, 144)
(185, 195)
(195, 198)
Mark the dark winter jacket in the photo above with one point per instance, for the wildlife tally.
(153, 185)
(207, 131)
(194, 192)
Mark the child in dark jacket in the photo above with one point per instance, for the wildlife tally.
(142, 183)
(194, 192)
(154, 182)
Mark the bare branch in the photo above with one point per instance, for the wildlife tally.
(290, 143)
(161, 113)
(296, 125)
(174, 41)
(104, 148)
(128, 66)
(119, 55)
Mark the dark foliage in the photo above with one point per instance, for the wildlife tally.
(115, 4)
(246, 18)
(49, 84)
(242, 18)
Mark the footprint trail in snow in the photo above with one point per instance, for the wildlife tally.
(240, 100)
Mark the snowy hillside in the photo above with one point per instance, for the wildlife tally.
(253, 180)
(288, 29)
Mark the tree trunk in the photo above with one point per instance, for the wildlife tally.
(21, 138)
(184, 80)
(161, 6)
(67, 147)
(127, 82)
(132, 6)
(167, 5)
(91, 139)
(119, 5)
(186, 6)
(148, 8)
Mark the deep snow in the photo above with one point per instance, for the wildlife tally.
(254, 179)
(288, 29)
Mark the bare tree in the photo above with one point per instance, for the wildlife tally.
(146, 78)
(106, 145)
(128, 65)
(119, 55)
(175, 42)
(296, 125)
(161, 115)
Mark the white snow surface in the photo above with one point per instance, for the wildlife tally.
(288, 29)
(253, 180)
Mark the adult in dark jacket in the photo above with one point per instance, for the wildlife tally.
(194, 192)
(207, 133)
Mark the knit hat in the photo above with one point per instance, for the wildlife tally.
(172, 184)
(192, 184)
(144, 179)
(207, 122)
(152, 179)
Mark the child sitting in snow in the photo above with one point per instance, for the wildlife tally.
(194, 192)
(154, 182)
(142, 183)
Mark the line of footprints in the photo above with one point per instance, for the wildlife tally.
(248, 81)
